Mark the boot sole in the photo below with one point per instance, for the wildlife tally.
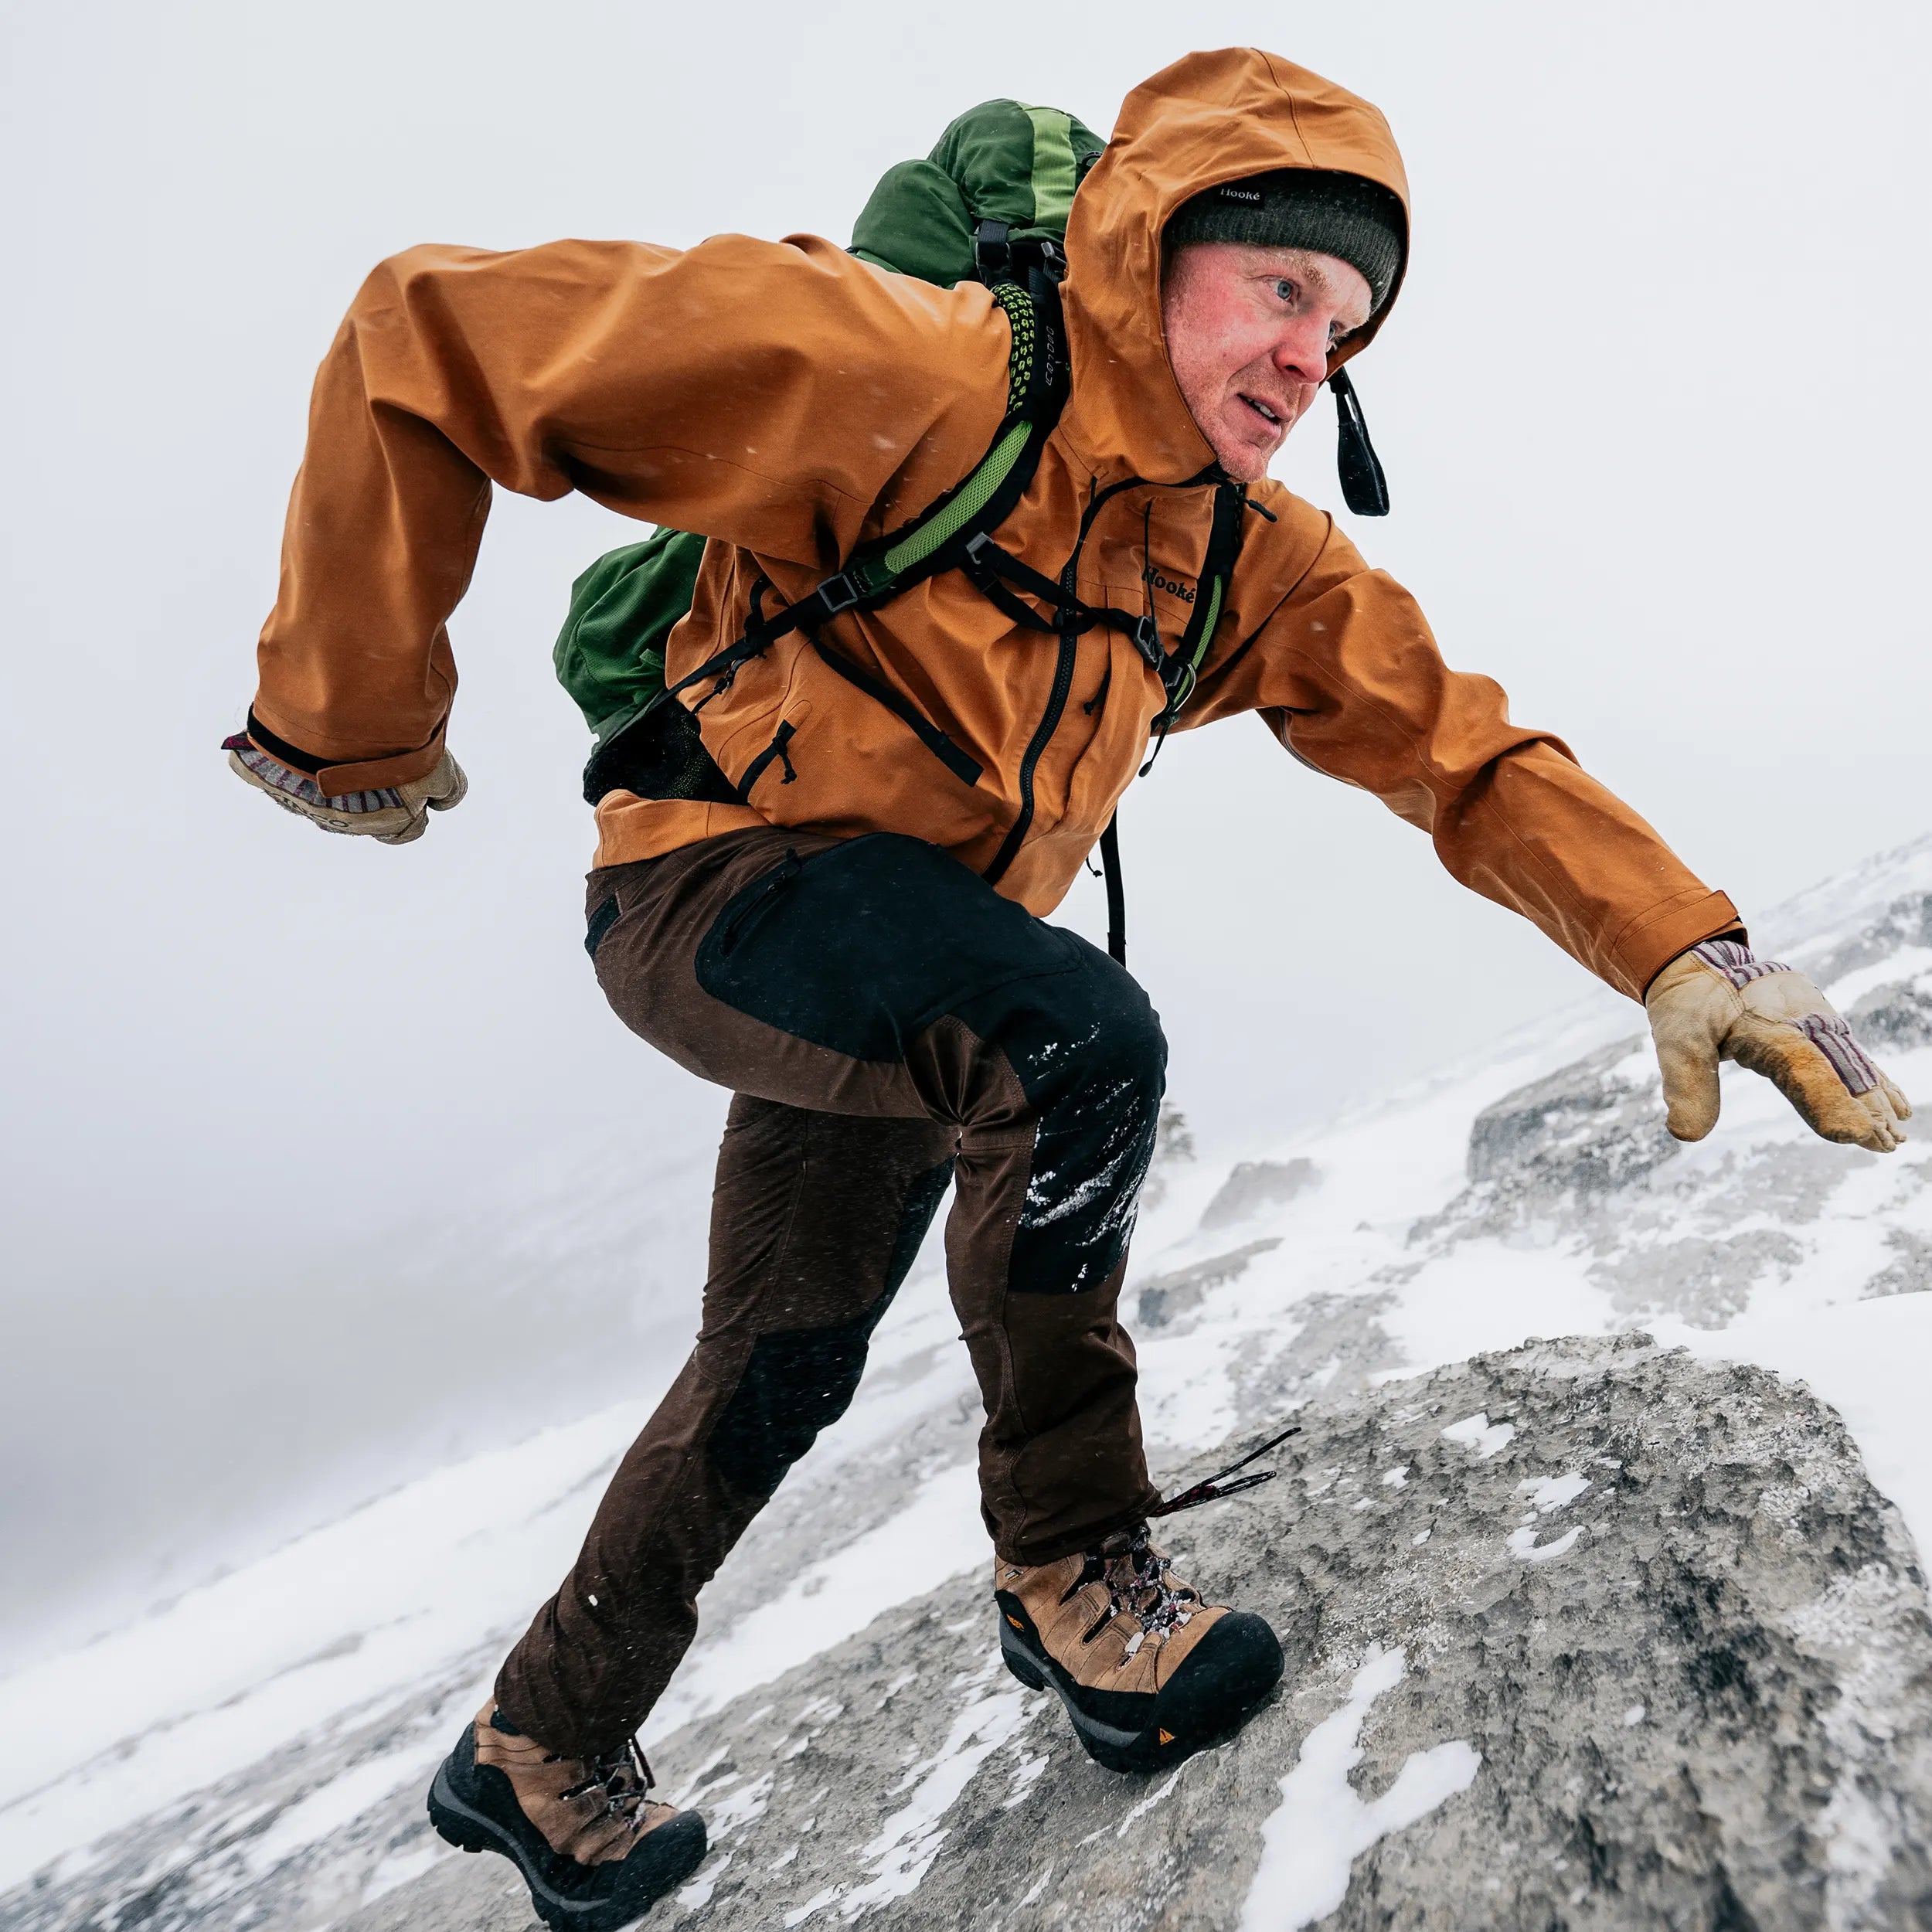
(460, 1824)
(1136, 1753)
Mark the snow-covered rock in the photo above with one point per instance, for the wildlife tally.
(1621, 1630)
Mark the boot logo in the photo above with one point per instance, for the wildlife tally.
(1167, 1737)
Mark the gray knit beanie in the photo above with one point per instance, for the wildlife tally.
(1358, 220)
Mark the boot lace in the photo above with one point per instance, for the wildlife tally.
(1139, 1584)
(619, 1785)
(1136, 1575)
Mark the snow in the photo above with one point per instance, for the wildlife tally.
(1479, 1433)
(903, 1851)
(1311, 1842)
(1907, 963)
(1525, 1548)
(1546, 1493)
(347, 1623)
(938, 1534)
(326, 1810)
(401, 1868)
(339, 1620)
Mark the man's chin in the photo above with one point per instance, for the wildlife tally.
(1244, 461)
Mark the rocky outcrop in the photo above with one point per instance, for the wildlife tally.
(1640, 1627)
(1253, 1185)
(1583, 1634)
(1166, 1300)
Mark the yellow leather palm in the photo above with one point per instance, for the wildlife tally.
(1718, 1002)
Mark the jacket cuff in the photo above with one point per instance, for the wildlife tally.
(1644, 947)
(362, 774)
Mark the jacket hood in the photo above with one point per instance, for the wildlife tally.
(1209, 118)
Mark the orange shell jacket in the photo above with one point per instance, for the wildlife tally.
(789, 401)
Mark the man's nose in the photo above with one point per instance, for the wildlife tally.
(1301, 352)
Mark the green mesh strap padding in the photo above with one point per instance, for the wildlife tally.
(995, 466)
(1018, 306)
(974, 495)
(1208, 623)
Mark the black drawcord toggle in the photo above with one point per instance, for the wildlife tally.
(1364, 488)
(1213, 1488)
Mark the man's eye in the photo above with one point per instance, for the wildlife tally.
(1284, 289)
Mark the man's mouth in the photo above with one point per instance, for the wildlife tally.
(1262, 410)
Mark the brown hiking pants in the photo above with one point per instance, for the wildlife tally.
(889, 1024)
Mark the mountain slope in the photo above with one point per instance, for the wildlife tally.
(255, 1754)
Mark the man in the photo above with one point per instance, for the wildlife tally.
(853, 941)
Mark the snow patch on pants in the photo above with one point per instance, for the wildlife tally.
(1313, 1838)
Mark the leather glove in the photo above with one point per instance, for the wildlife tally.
(1718, 1001)
(395, 815)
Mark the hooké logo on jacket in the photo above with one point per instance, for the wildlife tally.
(1162, 581)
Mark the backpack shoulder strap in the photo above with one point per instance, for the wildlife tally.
(1217, 574)
(1181, 669)
(938, 538)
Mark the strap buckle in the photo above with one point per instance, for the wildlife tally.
(1146, 634)
(977, 562)
(839, 593)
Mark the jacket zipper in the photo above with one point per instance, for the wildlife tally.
(775, 752)
(1057, 698)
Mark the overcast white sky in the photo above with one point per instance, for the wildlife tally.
(1654, 408)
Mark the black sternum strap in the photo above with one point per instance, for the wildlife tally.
(986, 564)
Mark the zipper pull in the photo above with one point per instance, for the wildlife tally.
(1364, 488)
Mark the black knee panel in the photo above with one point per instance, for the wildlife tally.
(1088, 1048)
(793, 1386)
(861, 948)
(803, 1380)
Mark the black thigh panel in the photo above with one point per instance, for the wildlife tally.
(861, 947)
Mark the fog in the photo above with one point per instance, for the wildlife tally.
(324, 1160)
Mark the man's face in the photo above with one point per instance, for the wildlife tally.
(1249, 330)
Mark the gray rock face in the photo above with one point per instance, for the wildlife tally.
(1253, 1185)
(1166, 1300)
(1581, 1158)
(1589, 1130)
(1581, 1634)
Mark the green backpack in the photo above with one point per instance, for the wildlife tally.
(990, 203)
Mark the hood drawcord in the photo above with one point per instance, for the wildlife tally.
(1364, 488)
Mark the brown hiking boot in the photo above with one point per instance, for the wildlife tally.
(595, 1850)
(1147, 1672)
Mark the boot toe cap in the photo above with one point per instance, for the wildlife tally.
(664, 1857)
(1236, 1664)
